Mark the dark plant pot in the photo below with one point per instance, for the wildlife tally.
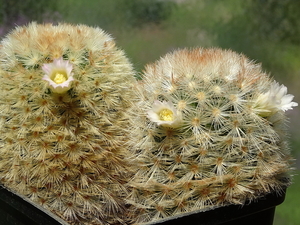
(17, 211)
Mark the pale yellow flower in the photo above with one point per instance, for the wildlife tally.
(164, 114)
(59, 75)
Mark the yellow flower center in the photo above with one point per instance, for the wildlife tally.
(59, 77)
(166, 115)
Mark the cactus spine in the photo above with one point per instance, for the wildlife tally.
(64, 95)
(210, 131)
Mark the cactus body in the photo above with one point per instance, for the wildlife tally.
(64, 147)
(209, 133)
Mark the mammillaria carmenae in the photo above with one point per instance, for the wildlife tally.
(65, 91)
(209, 131)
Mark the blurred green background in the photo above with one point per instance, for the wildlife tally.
(267, 31)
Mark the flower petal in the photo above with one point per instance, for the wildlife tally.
(274, 100)
(58, 68)
(164, 114)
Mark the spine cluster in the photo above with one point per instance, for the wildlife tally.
(209, 131)
(65, 91)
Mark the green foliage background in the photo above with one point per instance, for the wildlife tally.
(267, 31)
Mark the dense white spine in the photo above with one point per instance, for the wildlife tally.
(66, 150)
(228, 145)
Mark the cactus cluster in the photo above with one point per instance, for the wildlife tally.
(79, 136)
(209, 131)
(65, 92)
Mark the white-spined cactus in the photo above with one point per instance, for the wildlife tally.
(209, 131)
(65, 91)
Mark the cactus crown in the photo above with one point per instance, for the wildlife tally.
(210, 131)
(64, 95)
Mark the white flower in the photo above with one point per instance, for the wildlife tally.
(164, 113)
(274, 100)
(58, 74)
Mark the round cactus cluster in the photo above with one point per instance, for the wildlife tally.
(209, 131)
(65, 91)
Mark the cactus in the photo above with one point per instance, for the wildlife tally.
(65, 92)
(210, 130)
